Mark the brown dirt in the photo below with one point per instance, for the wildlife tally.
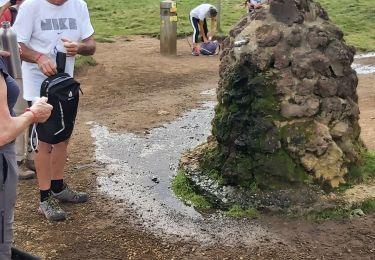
(134, 89)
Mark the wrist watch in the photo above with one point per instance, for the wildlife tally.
(13, 2)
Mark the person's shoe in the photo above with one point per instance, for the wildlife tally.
(51, 209)
(29, 164)
(24, 173)
(195, 52)
(68, 195)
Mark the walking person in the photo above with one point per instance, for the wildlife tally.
(198, 19)
(45, 27)
(10, 128)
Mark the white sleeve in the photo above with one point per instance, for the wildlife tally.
(23, 25)
(86, 27)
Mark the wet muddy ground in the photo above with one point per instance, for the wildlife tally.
(139, 112)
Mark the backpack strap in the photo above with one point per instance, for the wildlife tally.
(60, 61)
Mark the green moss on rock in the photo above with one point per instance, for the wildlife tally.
(278, 171)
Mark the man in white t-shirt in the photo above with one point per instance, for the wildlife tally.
(199, 23)
(43, 28)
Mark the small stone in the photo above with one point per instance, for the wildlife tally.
(163, 113)
(357, 213)
(155, 179)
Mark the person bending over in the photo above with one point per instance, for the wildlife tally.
(198, 19)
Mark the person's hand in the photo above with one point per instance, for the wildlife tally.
(41, 110)
(205, 40)
(71, 47)
(47, 66)
(4, 53)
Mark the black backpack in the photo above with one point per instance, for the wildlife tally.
(210, 48)
(62, 92)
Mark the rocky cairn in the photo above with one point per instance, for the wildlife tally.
(287, 113)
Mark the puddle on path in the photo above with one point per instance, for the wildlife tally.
(364, 63)
(139, 171)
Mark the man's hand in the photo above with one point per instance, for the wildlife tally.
(46, 65)
(71, 47)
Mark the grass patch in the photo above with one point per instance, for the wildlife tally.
(341, 212)
(82, 61)
(336, 213)
(126, 17)
(356, 19)
(104, 39)
(237, 212)
(368, 206)
(215, 175)
(183, 189)
(361, 173)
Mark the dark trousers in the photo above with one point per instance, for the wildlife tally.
(195, 24)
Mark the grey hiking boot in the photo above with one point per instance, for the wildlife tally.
(51, 209)
(24, 173)
(68, 195)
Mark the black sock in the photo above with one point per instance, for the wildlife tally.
(44, 194)
(57, 185)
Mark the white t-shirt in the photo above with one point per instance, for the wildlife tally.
(201, 11)
(40, 25)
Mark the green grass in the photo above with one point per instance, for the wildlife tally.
(362, 173)
(237, 212)
(82, 61)
(125, 17)
(343, 211)
(356, 18)
(182, 188)
(368, 206)
(113, 17)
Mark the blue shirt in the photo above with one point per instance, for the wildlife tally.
(12, 87)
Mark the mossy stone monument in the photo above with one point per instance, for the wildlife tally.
(287, 113)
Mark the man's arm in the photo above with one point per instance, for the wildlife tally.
(86, 47)
(5, 7)
(11, 127)
(47, 66)
(201, 29)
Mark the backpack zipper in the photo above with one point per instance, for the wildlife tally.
(54, 82)
(62, 120)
